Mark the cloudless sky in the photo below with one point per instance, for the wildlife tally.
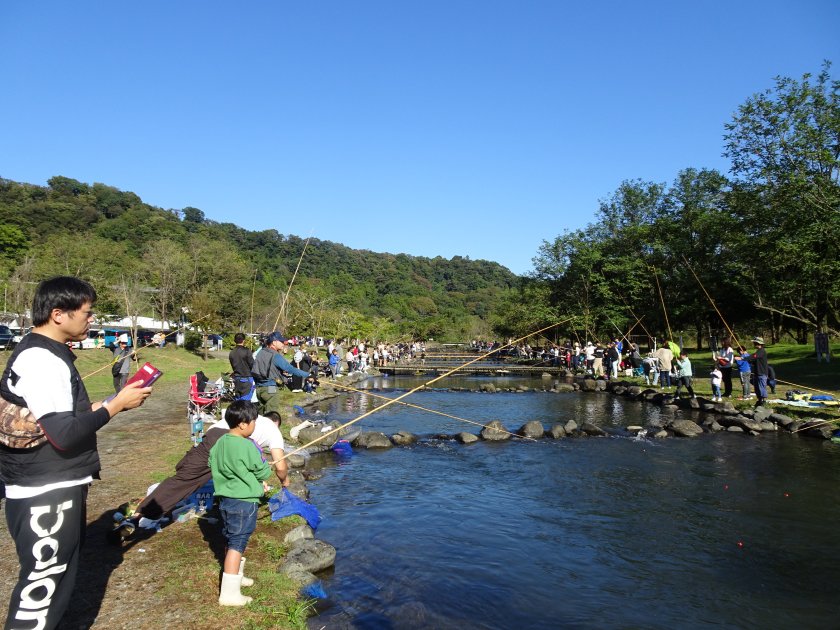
(432, 128)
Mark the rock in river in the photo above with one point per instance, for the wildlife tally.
(495, 431)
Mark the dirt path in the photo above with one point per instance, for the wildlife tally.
(117, 588)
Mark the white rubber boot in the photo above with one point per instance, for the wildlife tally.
(244, 581)
(230, 595)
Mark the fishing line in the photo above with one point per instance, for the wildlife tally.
(392, 401)
(285, 297)
(731, 333)
(136, 350)
(662, 299)
(439, 413)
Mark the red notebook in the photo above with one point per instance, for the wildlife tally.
(146, 375)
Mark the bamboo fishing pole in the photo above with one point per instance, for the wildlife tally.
(413, 406)
(392, 401)
(137, 349)
(662, 299)
(288, 290)
(714, 306)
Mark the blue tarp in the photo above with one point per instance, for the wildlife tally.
(284, 503)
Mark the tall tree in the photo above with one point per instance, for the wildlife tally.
(785, 150)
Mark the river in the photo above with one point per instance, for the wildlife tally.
(723, 531)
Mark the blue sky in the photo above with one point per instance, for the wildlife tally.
(434, 128)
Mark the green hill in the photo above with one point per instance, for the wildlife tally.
(147, 260)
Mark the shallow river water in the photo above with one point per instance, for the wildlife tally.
(724, 531)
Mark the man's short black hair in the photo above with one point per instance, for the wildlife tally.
(239, 337)
(274, 417)
(240, 411)
(62, 292)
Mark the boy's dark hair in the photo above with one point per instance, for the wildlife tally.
(62, 292)
(240, 411)
(274, 417)
(239, 337)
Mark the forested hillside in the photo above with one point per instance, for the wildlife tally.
(146, 260)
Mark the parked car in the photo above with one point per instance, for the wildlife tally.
(7, 338)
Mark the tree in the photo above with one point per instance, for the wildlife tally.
(168, 269)
(785, 150)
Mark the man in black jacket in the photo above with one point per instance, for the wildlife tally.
(241, 362)
(46, 486)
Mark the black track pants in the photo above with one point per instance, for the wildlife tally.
(48, 531)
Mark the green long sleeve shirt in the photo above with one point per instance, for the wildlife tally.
(238, 469)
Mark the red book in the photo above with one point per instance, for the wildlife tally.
(146, 375)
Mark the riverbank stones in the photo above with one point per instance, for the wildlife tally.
(533, 429)
(301, 532)
(372, 440)
(466, 438)
(592, 430)
(557, 431)
(308, 555)
(571, 426)
(495, 432)
(403, 438)
(686, 428)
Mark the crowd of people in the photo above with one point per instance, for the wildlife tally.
(666, 365)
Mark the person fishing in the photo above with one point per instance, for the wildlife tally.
(269, 365)
(725, 360)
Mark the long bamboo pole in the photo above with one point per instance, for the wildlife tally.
(288, 290)
(393, 401)
(427, 410)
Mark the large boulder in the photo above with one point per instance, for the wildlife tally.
(588, 385)
(403, 438)
(301, 532)
(311, 434)
(747, 424)
(373, 439)
(600, 386)
(296, 460)
(487, 387)
(590, 429)
(571, 426)
(466, 438)
(634, 390)
(564, 387)
(495, 431)
(532, 429)
(297, 485)
(762, 413)
(557, 431)
(686, 428)
(780, 419)
(308, 555)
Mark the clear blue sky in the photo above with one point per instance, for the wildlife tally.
(473, 128)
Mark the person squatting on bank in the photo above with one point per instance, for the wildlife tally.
(46, 486)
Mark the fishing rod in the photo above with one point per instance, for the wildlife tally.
(662, 299)
(392, 401)
(714, 306)
(812, 389)
(138, 349)
(439, 413)
(285, 297)
(627, 306)
(814, 426)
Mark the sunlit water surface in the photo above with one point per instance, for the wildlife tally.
(724, 531)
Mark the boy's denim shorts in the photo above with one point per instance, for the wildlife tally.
(240, 521)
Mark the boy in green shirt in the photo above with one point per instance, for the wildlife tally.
(238, 474)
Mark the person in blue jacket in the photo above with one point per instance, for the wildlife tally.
(742, 361)
(269, 365)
